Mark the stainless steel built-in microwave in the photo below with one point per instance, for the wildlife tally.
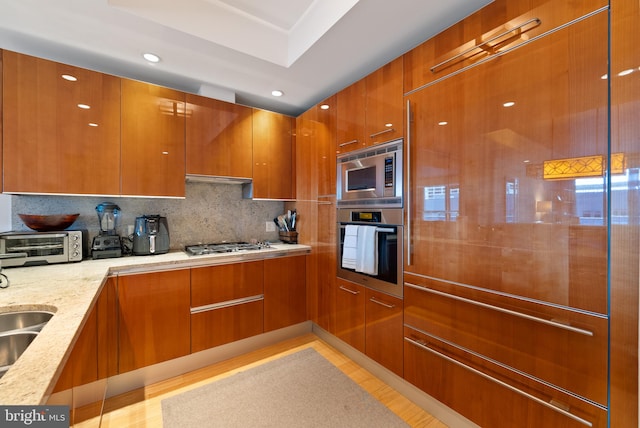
(370, 177)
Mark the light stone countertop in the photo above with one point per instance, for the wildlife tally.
(70, 290)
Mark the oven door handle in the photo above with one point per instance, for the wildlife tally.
(385, 230)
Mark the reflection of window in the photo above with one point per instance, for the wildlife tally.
(441, 203)
(511, 196)
(591, 204)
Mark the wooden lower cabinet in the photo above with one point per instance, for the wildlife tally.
(486, 394)
(383, 330)
(285, 297)
(371, 322)
(154, 318)
(227, 303)
(95, 354)
(350, 322)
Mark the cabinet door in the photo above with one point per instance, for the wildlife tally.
(487, 396)
(455, 48)
(384, 107)
(285, 296)
(273, 157)
(234, 296)
(383, 338)
(153, 319)
(82, 366)
(350, 309)
(326, 253)
(499, 198)
(351, 105)
(218, 138)
(61, 135)
(153, 133)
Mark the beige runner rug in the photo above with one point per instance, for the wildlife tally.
(297, 390)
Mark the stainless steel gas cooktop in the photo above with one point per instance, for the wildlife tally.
(223, 247)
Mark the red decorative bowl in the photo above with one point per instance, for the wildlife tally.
(48, 223)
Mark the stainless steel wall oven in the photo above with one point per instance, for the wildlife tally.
(369, 248)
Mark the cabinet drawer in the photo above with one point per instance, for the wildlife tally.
(486, 393)
(383, 332)
(216, 284)
(564, 348)
(226, 324)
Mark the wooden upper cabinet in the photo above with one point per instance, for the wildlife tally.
(60, 135)
(316, 151)
(500, 25)
(351, 105)
(218, 138)
(370, 111)
(384, 106)
(273, 155)
(153, 140)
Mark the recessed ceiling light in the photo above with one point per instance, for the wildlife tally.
(69, 77)
(84, 106)
(151, 57)
(324, 106)
(604, 76)
(277, 93)
(93, 124)
(509, 104)
(388, 125)
(443, 123)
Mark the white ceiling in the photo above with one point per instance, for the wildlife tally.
(230, 49)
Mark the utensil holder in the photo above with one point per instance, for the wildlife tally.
(290, 237)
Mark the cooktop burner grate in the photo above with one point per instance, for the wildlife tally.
(223, 247)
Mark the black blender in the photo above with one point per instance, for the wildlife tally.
(107, 244)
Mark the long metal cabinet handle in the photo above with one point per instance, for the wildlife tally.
(485, 46)
(227, 304)
(349, 291)
(499, 382)
(408, 189)
(386, 305)
(381, 132)
(503, 310)
(347, 143)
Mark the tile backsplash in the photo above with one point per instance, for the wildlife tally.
(210, 212)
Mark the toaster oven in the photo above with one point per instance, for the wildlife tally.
(25, 248)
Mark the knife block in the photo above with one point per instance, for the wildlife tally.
(290, 237)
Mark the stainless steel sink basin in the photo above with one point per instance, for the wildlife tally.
(23, 321)
(12, 346)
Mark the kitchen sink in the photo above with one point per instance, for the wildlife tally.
(23, 321)
(12, 346)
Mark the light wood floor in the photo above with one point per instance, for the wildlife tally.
(141, 408)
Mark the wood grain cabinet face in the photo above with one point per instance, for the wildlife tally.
(285, 296)
(234, 294)
(370, 111)
(350, 310)
(492, 397)
(384, 104)
(383, 331)
(273, 156)
(218, 138)
(60, 135)
(154, 318)
(351, 112)
(153, 140)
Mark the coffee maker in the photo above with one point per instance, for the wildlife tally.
(107, 244)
